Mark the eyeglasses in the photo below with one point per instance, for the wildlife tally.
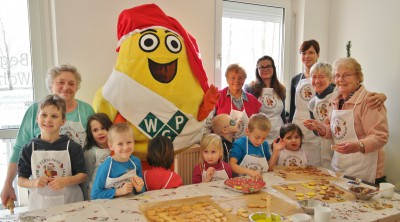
(232, 122)
(268, 67)
(344, 76)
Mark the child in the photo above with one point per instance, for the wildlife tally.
(224, 126)
(58, 162)
(96, 149)
(160, 156)
(211, 166)
(250, 154)
(289, 146)
(122, 172)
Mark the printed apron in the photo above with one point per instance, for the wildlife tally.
(166, 184)
(218, 174)
(292, 158)
(259, 164)
(119, 182)
(101, 155)
(240, 116)
(155, 115)
(272, 106)
(53, 164)
(322, 108)
(75, 130)
(311, 143)
(358, 165)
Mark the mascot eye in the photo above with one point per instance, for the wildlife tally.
(173, 44)
(149, 42)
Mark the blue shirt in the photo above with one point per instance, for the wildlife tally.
(117, 169)
(239, 150)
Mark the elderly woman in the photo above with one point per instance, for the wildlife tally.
(234, 101)
(64, 81)
(358, 132)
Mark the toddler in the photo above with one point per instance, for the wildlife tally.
(226, 127)
(160, 156)
(96, 149)
(211, 166)
(122, 172)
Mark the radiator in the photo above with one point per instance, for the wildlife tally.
(184, 163)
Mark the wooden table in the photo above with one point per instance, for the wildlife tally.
(126, 208)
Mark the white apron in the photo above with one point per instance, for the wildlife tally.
(75, 130)
(272, 106)
(155, 115)
(321, 108)
(358, 165)
(119, 182)
(218, 174)
(243, 119)
(259, 164)
(101, 155)
(311, 143)
(292, 158)
(52, 164)
(166, 184)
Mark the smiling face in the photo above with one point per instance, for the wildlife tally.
(100, 134)
(65, 86)
(320, 81)
(212, 153)
(265, 69)
(50, 120)
(309, 57)
(122, 144)
(345, 78)
(235, 81)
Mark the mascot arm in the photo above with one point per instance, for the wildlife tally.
(101, 105)
(209, 100)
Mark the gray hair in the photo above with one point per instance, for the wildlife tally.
(55, 71)
(322, 67)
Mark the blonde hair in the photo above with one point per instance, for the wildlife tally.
(119, 128)
(210, 139)
(350, 62)
(259, 121)
(236, 68)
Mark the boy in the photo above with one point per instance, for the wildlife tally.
(122, 172)
(224, 126)
(57, 162)
(250, 154)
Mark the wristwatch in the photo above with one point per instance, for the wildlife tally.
(362, 148)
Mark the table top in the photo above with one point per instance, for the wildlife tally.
(127, 208)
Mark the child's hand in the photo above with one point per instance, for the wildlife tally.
(138, 183)
(209, 174)
(254, 174)
(57, 183)
(41, 182)
(278, 145)
(125, 189)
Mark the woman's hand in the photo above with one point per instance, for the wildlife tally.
(315, 125)
(376, 100)
(346, 147)
(40, 182)
(57, 183)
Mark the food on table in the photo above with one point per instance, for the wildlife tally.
(244, 184)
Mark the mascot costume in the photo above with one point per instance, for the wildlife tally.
(158, 84)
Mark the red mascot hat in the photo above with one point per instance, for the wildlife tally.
(144, 16)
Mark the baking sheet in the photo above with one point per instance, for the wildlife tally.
(296, 173)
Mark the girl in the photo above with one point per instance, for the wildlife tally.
(211, 166)
(289, 144)
(96, 149)
(160, 156)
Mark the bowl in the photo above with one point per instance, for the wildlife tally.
(309, 205)
(244, 184)
(261, 217)
(363, 193)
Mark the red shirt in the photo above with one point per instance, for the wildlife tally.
(251, 105)
(157, 178)
(197, 172)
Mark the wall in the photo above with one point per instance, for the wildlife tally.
(86, 36)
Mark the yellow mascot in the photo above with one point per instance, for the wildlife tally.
(158, 83)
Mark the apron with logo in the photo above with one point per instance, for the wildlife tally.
(240, 116)
(272, 106)
(119, 182)
(311, 143)
(53, 164)
(218, 174)
(166, 184)
(322, 108)
(292, 158)
(101, 155)
(358, 165)
(75, 130)
(151, 113)
(259, 164)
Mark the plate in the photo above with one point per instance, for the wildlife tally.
(244, 184)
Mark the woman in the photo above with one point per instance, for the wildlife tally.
(358, 132)
(234, 101)
(270, 93)
(64, 81)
